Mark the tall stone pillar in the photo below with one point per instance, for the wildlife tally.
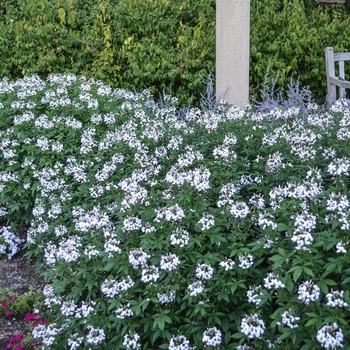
(232, 50)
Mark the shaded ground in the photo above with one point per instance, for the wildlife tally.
(18, 274)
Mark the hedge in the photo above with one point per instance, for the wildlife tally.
(165, 45)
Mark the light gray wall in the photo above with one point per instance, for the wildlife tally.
(232, 50)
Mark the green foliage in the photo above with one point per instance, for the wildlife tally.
(228, 227)
(129, 44)
(165, 44)
(291, 39)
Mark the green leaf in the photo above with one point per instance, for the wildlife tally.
(286, 334)
(345, 281)
(155, 336)
(329, 282)
(323, 287)
(282, 227)
(297, 272)
(308, 271)
(313, 321)
(237, 336)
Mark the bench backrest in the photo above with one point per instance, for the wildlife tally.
(332, 80)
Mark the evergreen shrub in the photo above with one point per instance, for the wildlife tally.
(166, 45)
(289, 37)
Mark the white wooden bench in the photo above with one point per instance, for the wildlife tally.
(330, 1)
(334, 81)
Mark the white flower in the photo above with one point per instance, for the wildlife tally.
(68, 308)
(199, 178)
(91, 251)
(43, 143)
(224, 152)
(68, 249)
(95, 335)
(138, 258)
(179, 237)
(124, 311)
(337, 201)
(228, 264)
(169, 262)
(272, 282)
(188, 158)
(10, 245)
(308, 291)
(173, 213)
(111, 288)
(243, 347)
(132, 341)
(112, 245)
(85, 310)
(258, 201)
(150, 274)
(239, 210)
(227, 194)
(304, 223)
(207, 221)
(330, 337)
(266, 220)
(204, 272)
(339, 166)
(335, 299)
(195, 288)
(175, 142)
(254, 295)
(57, 147)
(148, 228)
(74, 341)
(179, 342)
(165, 298)
(274, 162)
(303, 240)
(289, 320)
(132, 223)
(341, 248)
(252, 326)
(212, 337)
(246, 261)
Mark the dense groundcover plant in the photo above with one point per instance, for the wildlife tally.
(217, 230)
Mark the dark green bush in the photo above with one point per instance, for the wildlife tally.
(290, 37)
(130, 44)
(165, 43)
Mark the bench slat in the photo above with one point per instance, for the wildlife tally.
(341, 83)
(330, 1)
(343, 56)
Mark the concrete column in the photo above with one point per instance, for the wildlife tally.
(232, 50)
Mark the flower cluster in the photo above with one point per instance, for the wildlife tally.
(308, 292)
(132, 341)
(330, 337)
(212, 337)
(179, 342)
(252, 326)
(289, 320)
(9, 243)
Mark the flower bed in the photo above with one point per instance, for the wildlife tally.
(225, 229)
